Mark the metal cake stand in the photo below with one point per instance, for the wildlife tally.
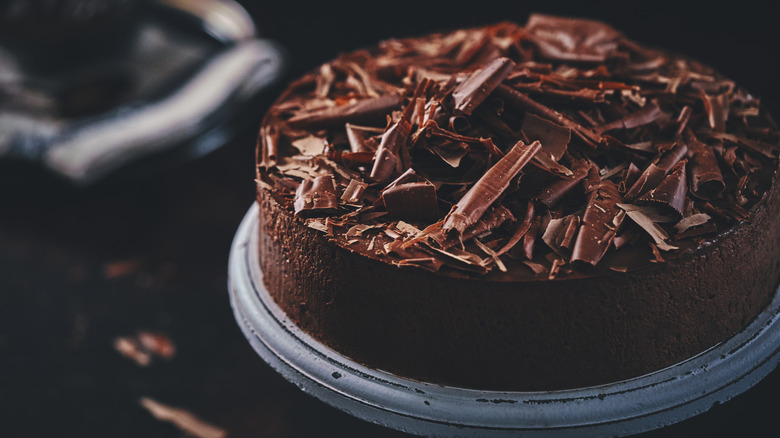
(622, 408)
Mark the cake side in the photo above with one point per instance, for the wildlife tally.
(525, 335)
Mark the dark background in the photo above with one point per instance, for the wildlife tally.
(81, 266)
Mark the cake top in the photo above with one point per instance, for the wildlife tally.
(550, 149)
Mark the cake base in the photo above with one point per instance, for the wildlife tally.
(621, 408)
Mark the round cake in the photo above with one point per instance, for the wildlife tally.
(524, 208)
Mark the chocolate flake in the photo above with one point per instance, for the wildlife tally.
(365, 110)
(657, 233)
(387, 159)
(317, 196)
(691, 221)
(571, 39)
(670, 193)
(355, 192)
(488, 189)
(599, 223)
(471, 92)
(524, 103)
(415, 201)
(358, 137)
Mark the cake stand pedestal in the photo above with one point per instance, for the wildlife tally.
(621, 408)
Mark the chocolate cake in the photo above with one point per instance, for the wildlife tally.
(512, 207)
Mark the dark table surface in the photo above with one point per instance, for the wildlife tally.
(81, 267)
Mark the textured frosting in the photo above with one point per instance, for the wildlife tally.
(583, 209)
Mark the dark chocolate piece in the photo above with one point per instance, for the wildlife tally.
(366, 110)
(488, 189)
(572, 39)
(316, 197)
(599, 224)
(670, 193)
(413, 201)
(355, 192)
(358, 137)
(524, 103)
(387, 159)
(706, 178)
(471, 92)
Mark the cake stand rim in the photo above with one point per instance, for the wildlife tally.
(630, 406)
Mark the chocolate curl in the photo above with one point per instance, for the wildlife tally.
(554, 138)
(669, 196)
(769, 150)
(560, 233)
(358, 136)
(601, 220)
(572, 39)
(492, 219)
(645, 115)
(632, 174)
(520, 231)
(655, 172)
(366, 110)
(490, 187)
(529, 239)
(557, 190)
(354, 192)
(682, 121)
(522, 102)
(269, 145)
(706, 178)
(717, 108)
(413, 201)
(387, 160)
(317, 196)
(649, 225)
(473, 91)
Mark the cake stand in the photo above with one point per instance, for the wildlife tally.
(621, 408)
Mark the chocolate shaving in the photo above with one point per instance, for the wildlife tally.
(706, 178)
(571, 39)
(599, 223)
(488, 189)
(645, 115)
(655, 172)
(524, 103)
(415, 201)
(761, 148)
(366, 110)
(358, 137)
(560, 233)
(529, 239)
(316, 197)
(269, 145)
(520, 230)
(492, 219)
(388, 159)
(657, 233)
(473, 91)
(670, 193)
(717, 109)
(354, 192)
(551, 194)
(554, 139)
(691, 221)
